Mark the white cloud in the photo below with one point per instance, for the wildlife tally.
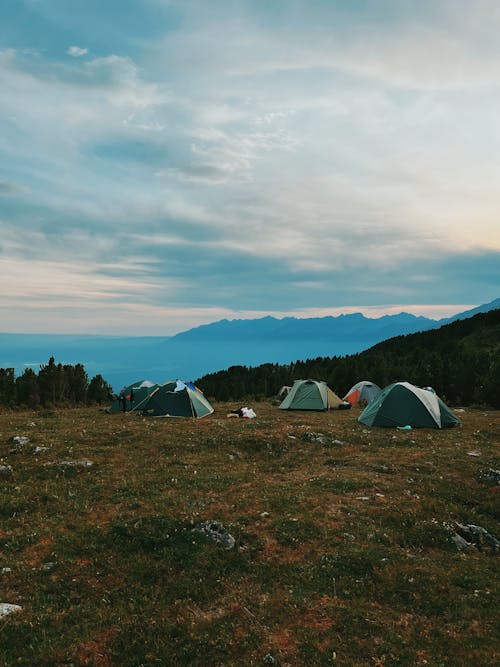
(318, 142)
(76, 51)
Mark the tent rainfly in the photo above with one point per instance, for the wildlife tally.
(363, 391)
(311, 395)
(176, 399)
(132, 395)
(404, 404)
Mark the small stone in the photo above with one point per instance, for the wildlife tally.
(474, 452)
(6, 608)
(48, 566)
(5, 470)
(85, 463)
(216, 531)
(491, 476)
(6, 570)
(269, 660)
(39, 450)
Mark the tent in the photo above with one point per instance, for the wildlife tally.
(311, 395)
(363, 391)
(403, 404)
(284, 391)
(176, 399)
(132, 395)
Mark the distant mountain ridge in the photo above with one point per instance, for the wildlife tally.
(354, 324)
(460, 360)
(212, 347)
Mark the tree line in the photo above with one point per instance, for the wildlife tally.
(461, 361)
(55, 385)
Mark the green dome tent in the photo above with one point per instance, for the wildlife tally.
(311, 395)
(176, 399)
(132, 396)
(404, 404)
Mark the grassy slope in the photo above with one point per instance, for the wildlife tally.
(108, 571)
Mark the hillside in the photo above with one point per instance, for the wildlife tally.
(196, 352)
(344, 549)
(460, 360)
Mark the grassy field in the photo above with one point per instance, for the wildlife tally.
(342, 552)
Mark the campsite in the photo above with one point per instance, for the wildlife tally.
(349, 543)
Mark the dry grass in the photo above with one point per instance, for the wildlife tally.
(341, 554)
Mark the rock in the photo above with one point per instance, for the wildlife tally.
(5, 570)
(19, 441)
(85, 463)
(491, 476)
(5, 470)
(315, 437)
(31, 424)
(6, 608)
(460, 543)
(39, 450)
(269, 660)
(216, 531)
(48, 566)
(474, 452)
(478, 536)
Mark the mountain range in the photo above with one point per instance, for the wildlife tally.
(208, 348)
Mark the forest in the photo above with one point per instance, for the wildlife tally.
(461, 361)
(61, 385)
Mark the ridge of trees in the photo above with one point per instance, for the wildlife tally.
(460, 360)
(54, 385)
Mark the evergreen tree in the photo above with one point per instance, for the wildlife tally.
(99, 391)
(7, 386)
(27, 389)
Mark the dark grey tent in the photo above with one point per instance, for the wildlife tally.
(132, 395)
(176, 399)
(404, 404)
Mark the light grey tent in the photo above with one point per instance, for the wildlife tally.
(363, 392)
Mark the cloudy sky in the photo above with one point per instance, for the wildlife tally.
(166, 163)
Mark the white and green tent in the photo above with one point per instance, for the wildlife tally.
(311, 395)
(404, 404)
(132, 395)
(176, 399)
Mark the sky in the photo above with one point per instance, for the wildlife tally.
(168, 163)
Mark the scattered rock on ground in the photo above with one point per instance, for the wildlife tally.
(6, 608)
(19, 441)
(216, 531)
(39, 450)
(320, 438)
(85, 463)
(491, 476)
(476, 536)
(5, 470)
